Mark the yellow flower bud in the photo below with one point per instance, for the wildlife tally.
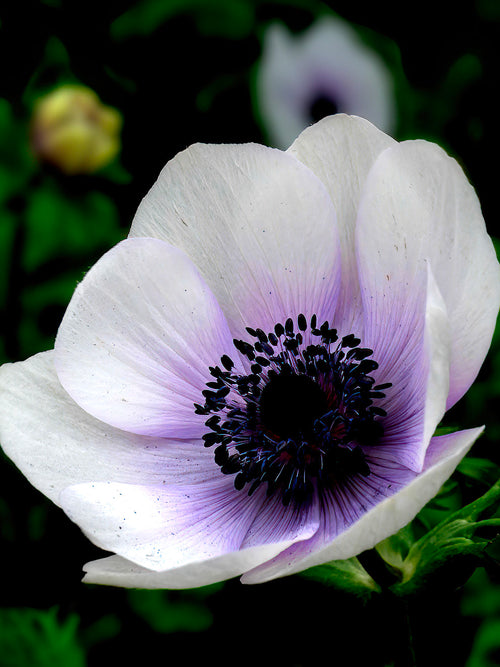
(73, 130)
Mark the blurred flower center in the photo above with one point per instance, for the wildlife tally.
(322, 106)
(300, 418)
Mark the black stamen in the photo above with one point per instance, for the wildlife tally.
(302, 419)
(226, 362)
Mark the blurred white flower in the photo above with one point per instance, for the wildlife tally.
(326, 69)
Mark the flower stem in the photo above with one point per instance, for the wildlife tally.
(410, 658)
(401, 634)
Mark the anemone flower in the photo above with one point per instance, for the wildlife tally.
(323, 70)
(250, 383)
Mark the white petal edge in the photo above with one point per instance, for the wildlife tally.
(138, 337)
(417, 199)
(386, 518)
(437, 344)
(56, 444)
(259, 226)
(117, 571)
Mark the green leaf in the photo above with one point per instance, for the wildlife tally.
(395, 548)
(346, 575)
(447, 501)
(481, 470)
(453, 542)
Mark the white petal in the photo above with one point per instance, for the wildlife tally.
(341, 150)
(168, 527)
(386, 518)
(259, 226)
(138, 337)
(56, 444)
(117, 571)
(418, 207)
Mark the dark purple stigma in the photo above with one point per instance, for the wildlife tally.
(300, 419)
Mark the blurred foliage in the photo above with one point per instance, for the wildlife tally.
(180, 71)
(16, 161)
(171, 611)
(227, 18)
(486, 649)
(39, 639)
(56, 225)
(481, 596)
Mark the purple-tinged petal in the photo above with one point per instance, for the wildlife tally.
(407, 327)
(138, 337)
(382, 520)
(56, 444)
(418, 207)
(172, 526)
(341, 150)
(259, 226)
(344, 505)
(276, 522)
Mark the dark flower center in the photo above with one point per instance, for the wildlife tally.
(301, 419)
(290, 404)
